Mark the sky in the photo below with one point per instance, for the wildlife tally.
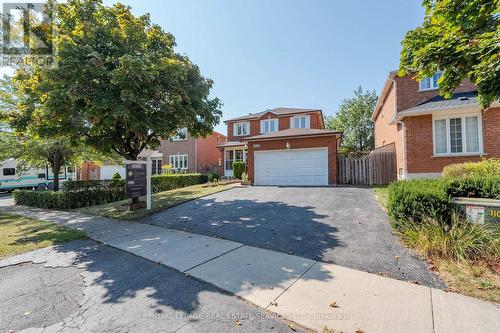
(263, 54)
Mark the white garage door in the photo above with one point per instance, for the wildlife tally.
(296, 167)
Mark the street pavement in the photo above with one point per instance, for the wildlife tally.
(311, 293)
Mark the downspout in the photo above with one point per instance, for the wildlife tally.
(196, 155)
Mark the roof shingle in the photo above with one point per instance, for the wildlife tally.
(278, 111)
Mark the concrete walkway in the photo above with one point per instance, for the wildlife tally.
(311, 293)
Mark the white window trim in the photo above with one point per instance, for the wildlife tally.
(464, 135)
(308, 121)
(263, 121)
(246, 125)
(178, 157)
(431, 81)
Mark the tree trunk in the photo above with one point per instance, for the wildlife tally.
(56, 167)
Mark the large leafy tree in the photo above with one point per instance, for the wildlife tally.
(461, 38)
(117, 83)
(31, 149)
(354, 119)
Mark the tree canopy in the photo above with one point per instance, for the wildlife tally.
(117, 83)
(354, 119)
(460, 38)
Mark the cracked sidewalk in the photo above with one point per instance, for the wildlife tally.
(299, 289)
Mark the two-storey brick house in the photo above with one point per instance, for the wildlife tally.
(185, 152)
(283, 146)
(429, 132)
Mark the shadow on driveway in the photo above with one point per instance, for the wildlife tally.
(345, 226)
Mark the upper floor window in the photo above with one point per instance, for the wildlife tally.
(268, 125)
(240, 129)
(457, 135)
(301, 122)
(181, 135)
(430, 83)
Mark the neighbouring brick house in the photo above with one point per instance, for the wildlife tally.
(184, 152)
(429, 132)
(283, 146)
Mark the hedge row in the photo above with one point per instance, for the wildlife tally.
(160, 183)
(484, 168)
(418, 199)
(41, 199)
(76, 194)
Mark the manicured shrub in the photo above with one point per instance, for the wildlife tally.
(41, 199)
(116, 176)
(94, 192)
(160, 183)
(418, 199)
(474, 187)
(76, 194)
(238, 169)
(485, 168)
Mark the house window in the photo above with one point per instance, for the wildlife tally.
(156, 167)
(268, 125)
(240, 129)
(181, 135)
(430, 83)
(9, 171)
(233, 155)
(301, 122)
(179, 161)
(457, 135)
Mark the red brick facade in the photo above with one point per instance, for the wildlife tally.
(316, 121)
(419, 141)
(329, 142)
(413, 136)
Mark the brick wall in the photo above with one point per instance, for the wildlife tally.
(408, 95)
(420, 144)
(182, 147)
(296, 143)
(387, 133)
(208, 155)
(283, 124)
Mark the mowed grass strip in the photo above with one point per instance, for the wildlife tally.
(19, 234)
(160, 201)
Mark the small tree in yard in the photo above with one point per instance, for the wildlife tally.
(354, 119)
(461, 39)
(118, 84)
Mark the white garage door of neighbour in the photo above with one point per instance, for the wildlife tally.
(296, 167)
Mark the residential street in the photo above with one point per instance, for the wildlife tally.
(308, 292)
(88, 287)
(344, 226)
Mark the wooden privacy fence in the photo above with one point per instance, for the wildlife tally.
(376, 168)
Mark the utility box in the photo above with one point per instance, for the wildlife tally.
(478, 210)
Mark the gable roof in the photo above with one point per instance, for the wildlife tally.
(383, 95)
(277, 111)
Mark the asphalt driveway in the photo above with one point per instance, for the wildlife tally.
(345, 226)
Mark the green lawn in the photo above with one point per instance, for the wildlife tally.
(161, 201)
(381, 194)
(20, 234)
